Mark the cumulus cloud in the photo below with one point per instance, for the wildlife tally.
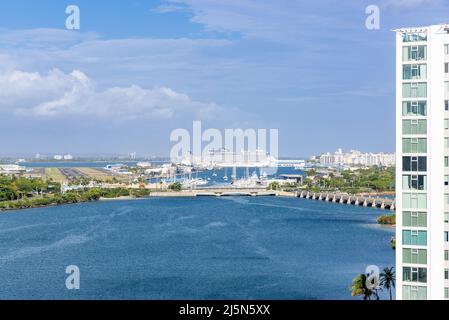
(62, 94)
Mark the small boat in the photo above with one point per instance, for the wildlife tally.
(225, 178)
(194, 182)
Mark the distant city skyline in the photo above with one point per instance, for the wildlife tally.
(135, 155)
(135, 71)
(357, 158)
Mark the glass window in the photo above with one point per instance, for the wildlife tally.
(414, 256)
(446, 49)
(446, 105)
(414, 145)
(414, 219)
(415, 164)
(414, 72)
(446, 236)
(414, 90)
(414, 53)
(446, 255)
(446, 217)
(414, 182)
(446, 162)
(414, 237)
(414, 292)
(414, 108)
(446, 180)
(446, 293)
(446, 68)
(446, 124)
(414, 36)
(414, 126)
(414, 201)
(446, 86)
(446, 274)
(411, 274)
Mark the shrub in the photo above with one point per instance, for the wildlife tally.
(389, 219)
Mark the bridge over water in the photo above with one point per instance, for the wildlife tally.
(344, 198)
(335, 197)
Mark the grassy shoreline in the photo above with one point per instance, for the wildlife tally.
(73, 197)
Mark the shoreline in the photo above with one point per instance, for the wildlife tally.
(70, 204)
(155, 194)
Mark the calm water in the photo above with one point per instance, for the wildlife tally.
(195, 248)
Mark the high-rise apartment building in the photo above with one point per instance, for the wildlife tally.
(422, 157)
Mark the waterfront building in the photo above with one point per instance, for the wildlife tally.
(357, 158)
(422, 175)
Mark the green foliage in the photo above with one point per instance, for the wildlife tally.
(357, 181)
(175, 186)
(274, 186)
(311, 172)
(22, 193)
(388, 219)
(13, 188)
(359, 288)
(141, 193)
(393, 243)
(114, 193)
(388, 280)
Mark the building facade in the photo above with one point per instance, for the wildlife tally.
(357, 158)
(422, 181)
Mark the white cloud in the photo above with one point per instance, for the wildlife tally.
(60, 94)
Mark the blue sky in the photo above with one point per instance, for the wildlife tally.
(138, 69)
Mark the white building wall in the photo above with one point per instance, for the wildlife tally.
(436, 37)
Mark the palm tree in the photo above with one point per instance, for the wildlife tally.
(359, 288)
(388, 279)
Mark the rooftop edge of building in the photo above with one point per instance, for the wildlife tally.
(443, 27)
